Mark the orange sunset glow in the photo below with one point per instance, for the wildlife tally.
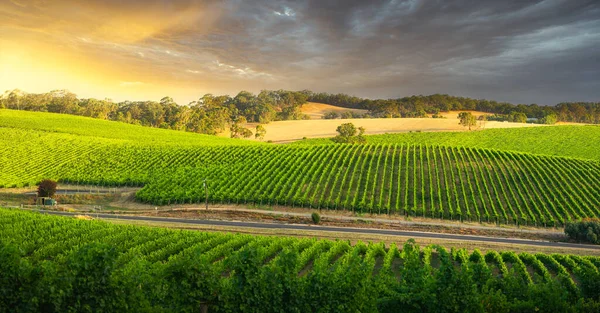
(145, 50)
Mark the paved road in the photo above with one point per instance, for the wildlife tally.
(412, 234)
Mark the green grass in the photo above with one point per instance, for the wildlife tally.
(96, 128)
(569, 141)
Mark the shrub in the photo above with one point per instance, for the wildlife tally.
(586, 230)
(331, 115)
(316, 218)
(348, 115)
(46, 188)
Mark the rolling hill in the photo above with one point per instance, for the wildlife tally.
(418, 178)
(570, 141)
(316, 127)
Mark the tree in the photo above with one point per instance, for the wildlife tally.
(348, 134)
(482, 120)
(331, 115)
(63, 101)
(260, 132)
(46, 188)
(549, 119)
(237, 130)
(518, 117)
(467, 119)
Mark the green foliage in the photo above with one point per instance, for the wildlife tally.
(331, 115)
(419, 106)
(209, 115)
(467, 119)
(58, 264)
(316, 218)
(517, 117)
(568, 141)
(260, 132)
(348, 133)
(88, 280)
(48, 130)
(549, 119)
(190, 282)
(586, 230)
(17, 281)
(409, 179)
(237, 130)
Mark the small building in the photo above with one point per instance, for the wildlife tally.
(45, 201)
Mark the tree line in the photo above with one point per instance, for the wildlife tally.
(213, 114)
(209, 114)
(422, 106)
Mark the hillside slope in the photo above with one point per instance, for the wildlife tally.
(97, 128)
(568, 141)
(225, 271)
(416, 178)
(286, 131)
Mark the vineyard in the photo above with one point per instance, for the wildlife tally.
(569, 141)
(416, 180)
(60, 262)
(447, 182)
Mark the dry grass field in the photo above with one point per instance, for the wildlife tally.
(316, 127)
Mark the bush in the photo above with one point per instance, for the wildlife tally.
(316, 218)
(586, 230)
(348, 115)
(46, 188)
(331, 115)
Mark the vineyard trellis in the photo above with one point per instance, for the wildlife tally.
(52, 244)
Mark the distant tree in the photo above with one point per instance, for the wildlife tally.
(348, 133)
(549, 119)
(348, 115)
(238, 130)
(467, 119)
(63, 101)
(260, 132)
(46, 188)
(482, 120)
(518, 117)
(245, 133)
(331, 115)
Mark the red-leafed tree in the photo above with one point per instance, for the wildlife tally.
(46, 188)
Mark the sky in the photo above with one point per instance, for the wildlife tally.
(518, 51)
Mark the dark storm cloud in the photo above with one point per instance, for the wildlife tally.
(519, 51)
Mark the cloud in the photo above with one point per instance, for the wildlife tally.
(518, 51)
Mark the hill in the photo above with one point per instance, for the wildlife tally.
(570, 141)
(287, 131)
(97, 128)
(38, 145)
(133, 268)
(416, 179)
